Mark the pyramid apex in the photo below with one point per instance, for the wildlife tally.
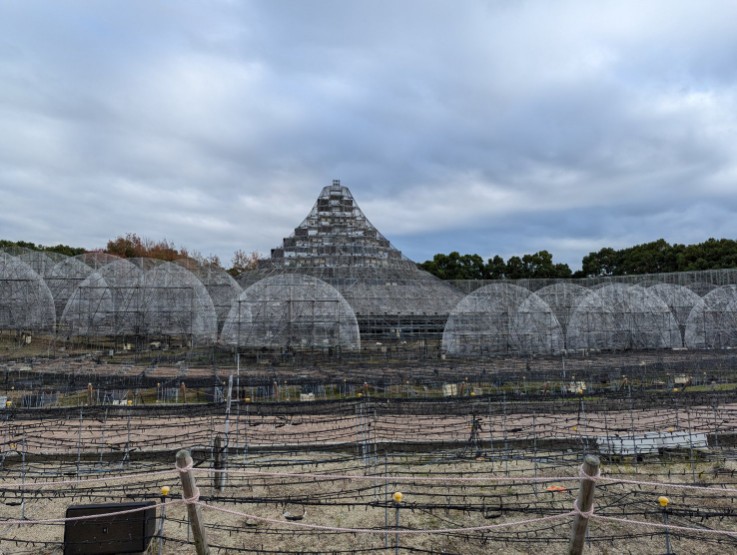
(335, 233)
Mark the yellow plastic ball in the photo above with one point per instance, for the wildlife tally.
(398, 496)
(165, 490)
(663, 500)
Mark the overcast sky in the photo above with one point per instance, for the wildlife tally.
(490, 127)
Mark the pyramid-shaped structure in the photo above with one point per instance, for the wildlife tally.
(336, 235)
(338, 244)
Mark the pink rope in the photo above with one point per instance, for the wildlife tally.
(582, 474)
(194, 499)
(668, 526)
(518, 479)
(18, 522)
(41, 485)
(583, 514)
(384, 531)
(666, 484)
(185, 469)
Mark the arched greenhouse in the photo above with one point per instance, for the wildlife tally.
(291, 312)
(336, 284)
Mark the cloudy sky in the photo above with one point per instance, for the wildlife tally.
(489, 127)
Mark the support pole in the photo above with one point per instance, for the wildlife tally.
(584, 502)
(219, 463)
(398, 497)
(228, 401)
(191, 495)
(164, 496)
(663, 501)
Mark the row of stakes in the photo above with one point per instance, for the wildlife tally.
(397, 498)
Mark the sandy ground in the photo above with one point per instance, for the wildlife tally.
(442, 489)
(352, 445)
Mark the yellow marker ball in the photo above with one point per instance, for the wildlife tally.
(165, 490)
(398, 496)
(663, 500)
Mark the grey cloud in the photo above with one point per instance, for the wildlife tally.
(486, 127)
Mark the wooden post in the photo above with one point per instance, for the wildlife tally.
(190, 491)
(218, 463)
(584, 501)
(228, 401)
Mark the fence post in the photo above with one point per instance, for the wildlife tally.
(190, 491)
(584, 501)
(162, 518)
(219, 463)
(398, 497)
(229, 400)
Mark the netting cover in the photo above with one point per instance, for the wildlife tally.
(701, 288)
(502, 318)
(97, 260)
(712, 323)
(177, 303)
(41, 262)
(618, 317)
(291, 311)
(680, 301)
(63, 279)
(90, 310)
(121, 299)
(221, 286)
(25, 300)
(107, 302)
(563, 298)
(411, 294)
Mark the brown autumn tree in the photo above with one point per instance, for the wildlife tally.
(134, 246)
(243, 262)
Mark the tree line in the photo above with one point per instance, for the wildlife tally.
(60, 249)
(648, 258)
(472, 266)
(131, 245)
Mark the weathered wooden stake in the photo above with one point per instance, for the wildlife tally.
(190, 491)
(219, 463)
(228, 401)
(584, 501)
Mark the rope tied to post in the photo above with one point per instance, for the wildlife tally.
(185, 469)
(593, 477)
(195, 490)
(194, 499)
(583, 514)
(589, 474)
